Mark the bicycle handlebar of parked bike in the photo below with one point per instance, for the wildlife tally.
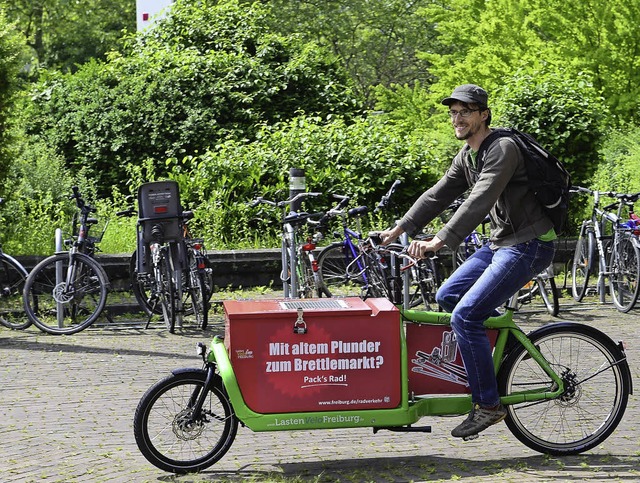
(384, 201)
(80, 203)
(280, 204)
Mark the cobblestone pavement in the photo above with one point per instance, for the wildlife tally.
(68, 404)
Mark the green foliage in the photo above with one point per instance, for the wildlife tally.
(192, 82)
(564, 114)
(489, 41)
(226, 96)
(37, 190)
(619, 171)
(599, 37)
(360, 159)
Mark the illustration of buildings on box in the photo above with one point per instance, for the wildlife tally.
(442, 362)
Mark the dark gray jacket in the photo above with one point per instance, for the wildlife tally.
(500, 189)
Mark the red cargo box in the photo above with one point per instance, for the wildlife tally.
(334, 354)
(435, 364)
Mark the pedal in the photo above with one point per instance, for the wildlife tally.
(471, 437)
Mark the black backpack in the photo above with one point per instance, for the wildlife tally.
(548, 178)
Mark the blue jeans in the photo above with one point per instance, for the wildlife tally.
(474, 292)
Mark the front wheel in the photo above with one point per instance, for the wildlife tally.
(549, 294)
(65, 293)
(340, 273)
(583, 261)
(12, 280)
(597, 383)
(171, 436)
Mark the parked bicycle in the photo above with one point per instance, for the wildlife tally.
(472, 242)
(299, 273)
(607, 246)
(12, 279)
(354, 266)
(406, 281)
(67, 292)
(170, 272)
(200, 274)
(340, 270)
(565, 386)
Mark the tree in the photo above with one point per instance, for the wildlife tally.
(12, 60)
(489, 41)
(209, 71)
(64, 33)
(377, 41)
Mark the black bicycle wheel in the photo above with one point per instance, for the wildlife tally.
(464, 251)
(425, 280)
(624, 271)
(166, 291)
(338, 272)
(583, 260)
(171, 437)
(378, 268)
(597, 384)
(59, 300)
(196, 302)
(309, 285)
(142, 288)
(549, 294)
(12, 279)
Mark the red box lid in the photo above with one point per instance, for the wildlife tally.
(276, 308)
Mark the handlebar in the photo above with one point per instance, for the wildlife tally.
(131, 211)
(281, 204)
(582, 189)
(384, 201)
(303, 217)
(80, 203)
(625, 198)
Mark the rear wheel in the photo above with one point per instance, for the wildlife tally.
(425, 280)
(196, 301)
(60, 299)
(166, 291)
(597, 383)
(171, 436)
(624, 271)
(142, 288)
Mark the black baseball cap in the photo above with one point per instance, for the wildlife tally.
(468, 93)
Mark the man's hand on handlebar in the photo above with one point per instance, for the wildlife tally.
(388, 236)
(421, 248)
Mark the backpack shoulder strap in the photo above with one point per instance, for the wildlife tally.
(495, 134)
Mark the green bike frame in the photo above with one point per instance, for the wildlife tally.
(411, 409)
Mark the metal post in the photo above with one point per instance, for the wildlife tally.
(404, 240)
(59, 278)
(297, 185)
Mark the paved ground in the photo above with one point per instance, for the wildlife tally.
(68, 402)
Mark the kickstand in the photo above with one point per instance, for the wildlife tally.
(151, 312)
(108, 316)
